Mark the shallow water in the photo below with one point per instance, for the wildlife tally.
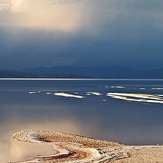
(36, 105)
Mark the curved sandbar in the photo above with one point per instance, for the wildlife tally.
(136, 97)
(70, 148)
(62, 94)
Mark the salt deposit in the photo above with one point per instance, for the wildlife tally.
(68, 95)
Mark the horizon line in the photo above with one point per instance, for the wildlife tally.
(53, 79)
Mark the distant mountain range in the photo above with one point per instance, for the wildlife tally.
(82, 72)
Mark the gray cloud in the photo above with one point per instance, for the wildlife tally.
(5, 4)
(89, 32)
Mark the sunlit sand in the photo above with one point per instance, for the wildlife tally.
(70, 148)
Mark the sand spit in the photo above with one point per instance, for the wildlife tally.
(68, 95)
(146, 98)
(42, 136)
(94, 93)
(32, 93)
(70, 148)
(157, 88)
(118, 87)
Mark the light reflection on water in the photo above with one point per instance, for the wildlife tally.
(112, 119)
(18, 151)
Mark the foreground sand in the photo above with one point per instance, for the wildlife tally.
(77, 149)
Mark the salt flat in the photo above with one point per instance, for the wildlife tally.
(70, 148)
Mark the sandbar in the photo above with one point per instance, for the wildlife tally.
(69, 148)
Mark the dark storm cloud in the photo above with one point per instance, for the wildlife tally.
(31, 48)
(84, 32)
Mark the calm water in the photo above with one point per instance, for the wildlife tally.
(33, 105)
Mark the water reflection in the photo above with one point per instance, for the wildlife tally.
(12, 150)
(114, 120)
(18, 151)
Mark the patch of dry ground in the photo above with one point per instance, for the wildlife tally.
(70, 148)
(146, 154)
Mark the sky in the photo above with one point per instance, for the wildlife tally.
(81, 33)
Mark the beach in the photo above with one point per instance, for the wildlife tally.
(81, 121)
(70, 148)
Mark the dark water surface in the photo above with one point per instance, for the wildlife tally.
(32, 105)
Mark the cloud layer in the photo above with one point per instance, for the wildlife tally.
(72, 32)
(42, 14)
(75, 14)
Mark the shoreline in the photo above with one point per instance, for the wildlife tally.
(69, 148)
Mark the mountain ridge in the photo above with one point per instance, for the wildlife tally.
(83, 72)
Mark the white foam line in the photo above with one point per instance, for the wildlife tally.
(117, 87)
(48, 93)
(68, 95)
(142, 88)
(138, 100)
(32, 93)
(157, 88)
(94, 93)
(137, 97)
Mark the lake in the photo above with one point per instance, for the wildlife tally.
(125, 111)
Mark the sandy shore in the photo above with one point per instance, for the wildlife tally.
(70, 148)
(144, 154)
